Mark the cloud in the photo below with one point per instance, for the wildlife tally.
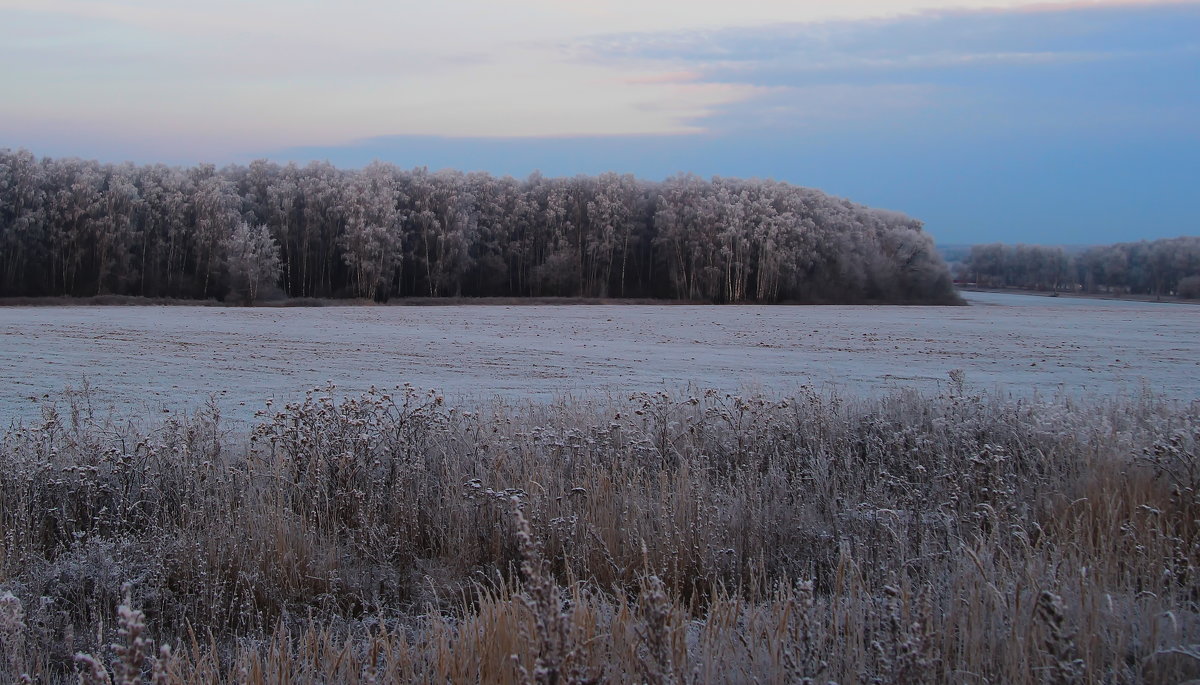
(666, 77)
(239, 74)
(1041, 67)
(228, 75)
(1049, 33)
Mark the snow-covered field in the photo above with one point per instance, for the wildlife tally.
(162, 359)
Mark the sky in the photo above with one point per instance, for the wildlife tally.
(991, 120)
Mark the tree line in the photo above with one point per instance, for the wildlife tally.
(1170, 266)
(78, 228)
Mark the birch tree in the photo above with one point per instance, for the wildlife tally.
(251, 257)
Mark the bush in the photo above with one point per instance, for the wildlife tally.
(1189, 288)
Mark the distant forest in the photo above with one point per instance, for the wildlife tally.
(79, 228)
(1161, 267)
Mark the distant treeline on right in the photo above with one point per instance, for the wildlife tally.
(1170, 266)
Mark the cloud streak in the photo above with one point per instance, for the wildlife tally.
(230, 74)
(1041, 67)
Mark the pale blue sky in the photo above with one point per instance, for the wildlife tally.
(991, 120)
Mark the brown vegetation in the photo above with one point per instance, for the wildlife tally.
(664, 539)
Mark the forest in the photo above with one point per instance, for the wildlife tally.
(71, 227)
(1169, 266)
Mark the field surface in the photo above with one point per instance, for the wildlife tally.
(165, 359)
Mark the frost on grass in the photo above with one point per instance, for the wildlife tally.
(706, 536)
(151, 359)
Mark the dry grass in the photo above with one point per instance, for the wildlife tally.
(958, 538)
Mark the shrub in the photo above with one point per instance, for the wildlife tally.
(1189, 288)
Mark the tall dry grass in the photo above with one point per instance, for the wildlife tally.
(662, 538)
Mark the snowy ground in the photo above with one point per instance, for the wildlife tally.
(162, 359)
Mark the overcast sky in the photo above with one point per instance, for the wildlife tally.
(1012, 120)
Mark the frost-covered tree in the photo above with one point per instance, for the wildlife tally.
(77, 228)
(215, 207)
(373, 242)
(252, 260)
(22, 221)
(441, 225)
(113, 230)
(501, 213)
(322, 196)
